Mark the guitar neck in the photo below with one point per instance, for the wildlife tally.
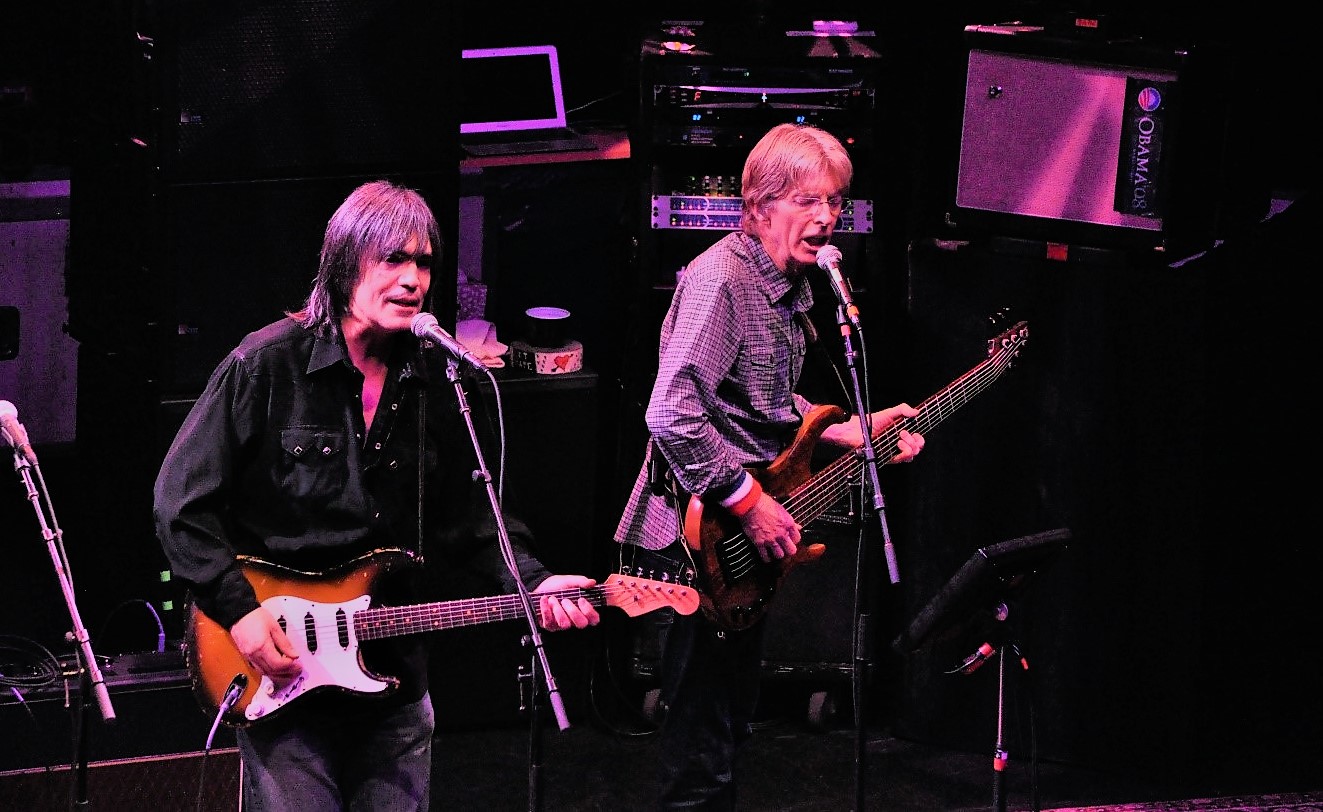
(941, 405)
(830, 485)
(391, 621)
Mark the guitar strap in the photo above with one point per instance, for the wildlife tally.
(422, 444)
(811, 339)
(658, 564)
(660, 479)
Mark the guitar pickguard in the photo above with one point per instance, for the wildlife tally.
(327, 649)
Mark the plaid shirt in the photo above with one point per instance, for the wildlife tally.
(730, 357)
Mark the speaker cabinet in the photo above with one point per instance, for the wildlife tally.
(1093, 143)
(480, 674)
(295, 87)
(249, 124)
(180, 782)
(552, 460)
(156, 715)
(37, 360)
(809, 628)
(811, 620)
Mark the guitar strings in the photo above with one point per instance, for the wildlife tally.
(831, 484)
(388, 621)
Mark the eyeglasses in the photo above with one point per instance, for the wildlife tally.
(807, 203)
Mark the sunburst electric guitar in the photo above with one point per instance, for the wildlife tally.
(327, 615)
(737, 586)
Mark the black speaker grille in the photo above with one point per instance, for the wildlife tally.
(264, 89)
(197, 782)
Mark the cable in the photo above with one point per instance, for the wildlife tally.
(160, 626)
(645, 726)
(22, 667)
(232, 694)
(27, 668)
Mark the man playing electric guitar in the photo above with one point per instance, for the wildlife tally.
(724, 400)
(327, 435)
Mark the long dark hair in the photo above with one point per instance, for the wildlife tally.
(375, 220)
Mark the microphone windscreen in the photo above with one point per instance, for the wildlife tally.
(828, 255)
(422, 323)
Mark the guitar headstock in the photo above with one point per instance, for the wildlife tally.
(1006, 347)
(637, 596)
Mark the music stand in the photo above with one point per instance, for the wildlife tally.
(986, 583)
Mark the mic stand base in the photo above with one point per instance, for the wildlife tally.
(534, 730)
(862, 663)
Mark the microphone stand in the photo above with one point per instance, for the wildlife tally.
(861, 637)
(1006, 646)
(870, 453)
(90, 676)
(540, 662)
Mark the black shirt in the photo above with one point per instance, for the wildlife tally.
(273, 461)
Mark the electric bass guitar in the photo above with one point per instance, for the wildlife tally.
(736, 585)
(327, 615)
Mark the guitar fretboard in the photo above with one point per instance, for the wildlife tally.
(830, 485)
(390, 621)
(631, 594)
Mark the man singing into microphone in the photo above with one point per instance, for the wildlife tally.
(330, 434)
(732, 350)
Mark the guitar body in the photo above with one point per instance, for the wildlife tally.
(737, 585)
(327, 649)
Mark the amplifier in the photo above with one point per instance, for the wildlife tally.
(1091, 143)
(689, 98)
(179, 782)
(156, 713)
(693, 100)
(738, 130)
(719, 213)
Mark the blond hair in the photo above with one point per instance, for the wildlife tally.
(786, 158)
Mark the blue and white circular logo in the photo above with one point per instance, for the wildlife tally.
(1149, 99)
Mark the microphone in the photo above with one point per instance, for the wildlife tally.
(424, 325)
(14, 431)
(829, 260)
